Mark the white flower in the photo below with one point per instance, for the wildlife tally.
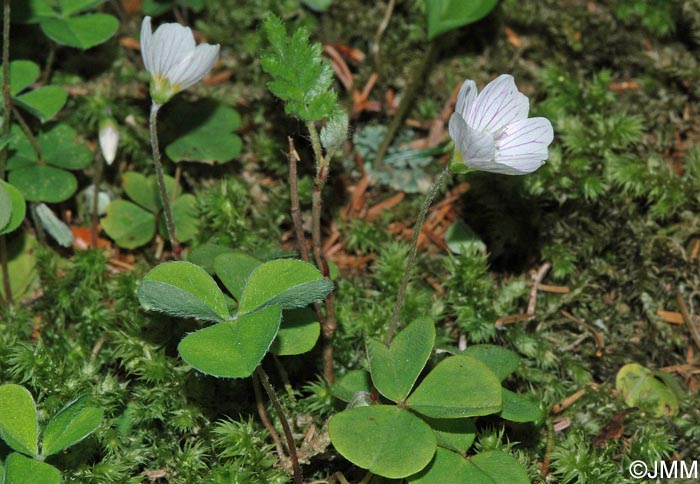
(492, 132)
(109, 139)
(173, 60)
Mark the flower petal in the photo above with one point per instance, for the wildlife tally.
(193, 67)
(477, 147)
(145, 40)
(499, 104)
(171, 42)
(465, 99)
(523, 145)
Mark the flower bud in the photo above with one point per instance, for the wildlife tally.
(109, 139)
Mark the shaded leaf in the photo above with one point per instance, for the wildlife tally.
(18, 208)
(43, 183)
(502, 362)
(72, 424)
(395, 369)
(459, 386)
(183, 289)
(234, 269)
(81, 32)
(446, 15)
(23, 470)
(44, 103)
(128, 225)
(288, 283)
(387, 440)
(195, 125)
(232, 349)
(18, 422)
(298, 333)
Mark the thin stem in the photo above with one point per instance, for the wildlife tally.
(28, 132)
(6, 94)
(6, 122)
(406, 102)
(9, 300)
(329, 324)
(161, 181)
(296, 210)
(285, 377)
(378, 35)
(264, 417)
(283, 420)
(50, 59)
(95, 198)
(412, 252)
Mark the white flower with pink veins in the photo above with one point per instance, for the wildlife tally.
(173, 59)
(492, 132)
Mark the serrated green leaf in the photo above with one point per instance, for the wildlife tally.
(234, 269)
(72, 424)
(43, 183)
(502, 362)
(44, 103)
(395, 369)
(23, 470)
(232, 349)
(128, 225)
(286, 282)
(446, 15)
(387, 440)
(81, 32)
(298, 332)
(18, 422)
(300, 76)
(54, 226)
(459, 386)
(183, 289)
(194, 125)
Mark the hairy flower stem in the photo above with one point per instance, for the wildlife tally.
(406, 102)
(412, 252)
(161, 181)
(6, 122)
(329, 323)
(291, 447)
